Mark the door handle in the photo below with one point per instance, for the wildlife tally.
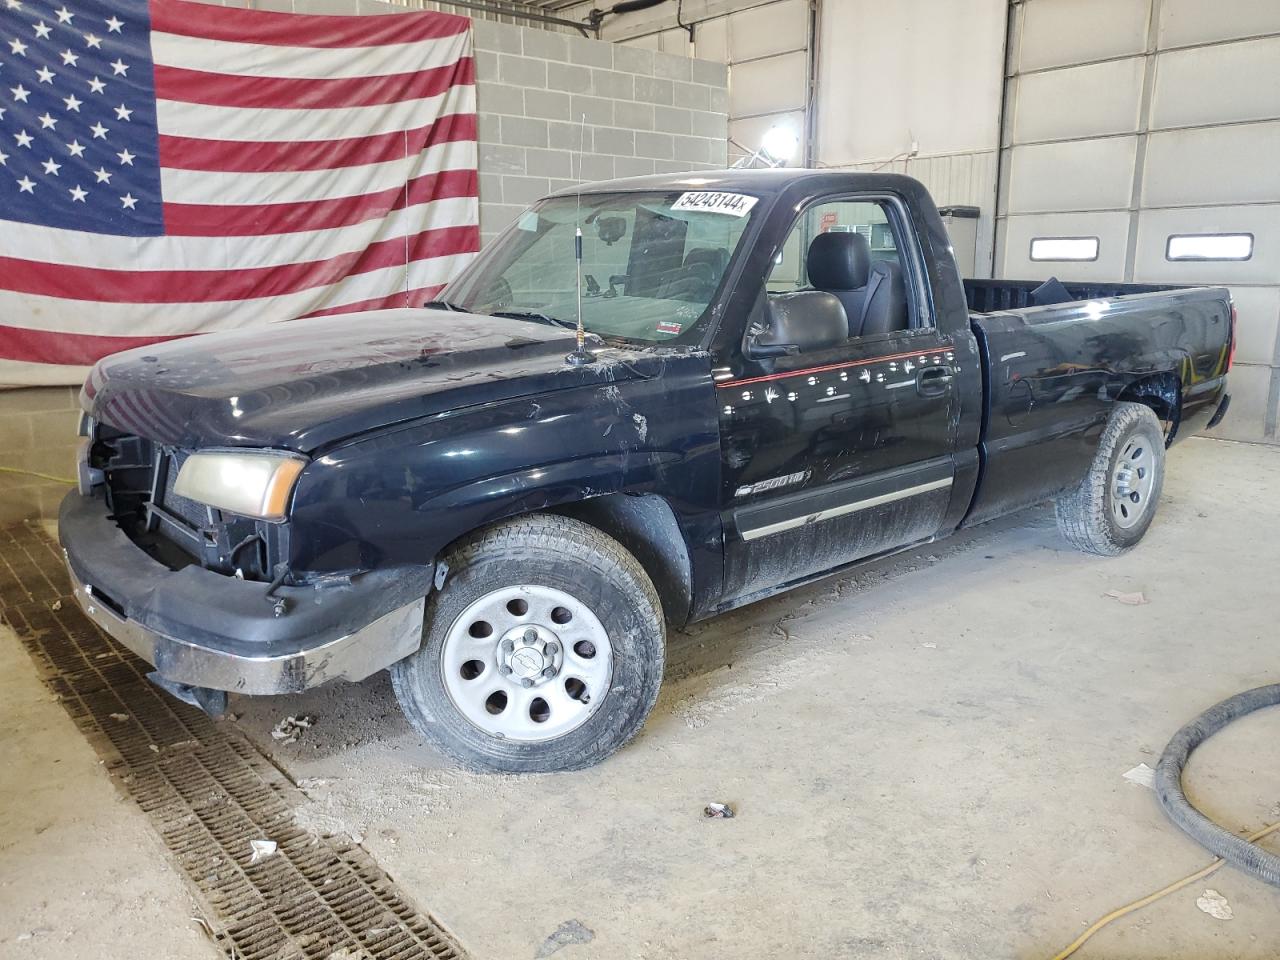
(934, 381)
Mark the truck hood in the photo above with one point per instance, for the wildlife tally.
(305, 384)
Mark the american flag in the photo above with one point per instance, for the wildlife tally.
(171, 167)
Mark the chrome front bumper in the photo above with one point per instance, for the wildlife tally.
(204, 629)
(355, 656)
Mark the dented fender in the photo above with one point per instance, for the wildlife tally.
(631, 423)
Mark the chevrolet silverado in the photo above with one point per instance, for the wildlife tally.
(732, 384)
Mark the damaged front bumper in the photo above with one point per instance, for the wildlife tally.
(204, 629)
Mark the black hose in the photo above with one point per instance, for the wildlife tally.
(1248, 857)
(631, 6)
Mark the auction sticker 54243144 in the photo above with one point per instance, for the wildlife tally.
(733, 204)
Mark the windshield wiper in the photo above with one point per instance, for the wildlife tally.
(534, 315)
(445, 304)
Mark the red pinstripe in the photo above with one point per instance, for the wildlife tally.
(832, 366)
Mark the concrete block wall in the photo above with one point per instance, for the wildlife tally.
(37, 435)
(764, 44)
(646, 112)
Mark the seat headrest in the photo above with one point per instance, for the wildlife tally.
(839, 261)
(714, 257)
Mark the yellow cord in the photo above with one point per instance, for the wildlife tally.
(33, 473)
(1152, 898)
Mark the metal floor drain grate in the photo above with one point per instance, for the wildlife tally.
(209, 792)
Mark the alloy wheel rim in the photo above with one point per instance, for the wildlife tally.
(527, 663)
(1132, 481)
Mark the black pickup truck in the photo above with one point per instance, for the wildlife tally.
(783, 375)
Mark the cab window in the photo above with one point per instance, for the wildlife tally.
(852, 250)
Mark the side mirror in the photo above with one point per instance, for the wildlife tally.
(798, 322)
(755, 350)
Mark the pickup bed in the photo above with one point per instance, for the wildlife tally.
(745, 381)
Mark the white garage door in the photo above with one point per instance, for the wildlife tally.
(1153, 126)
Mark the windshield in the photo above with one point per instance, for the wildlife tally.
(651, 263)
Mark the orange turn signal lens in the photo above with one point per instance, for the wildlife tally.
(276, 501)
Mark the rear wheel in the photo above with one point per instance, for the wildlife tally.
(543, 651)
(1111, 509)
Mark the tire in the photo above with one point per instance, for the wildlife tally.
(1111, 509)
(590, 616)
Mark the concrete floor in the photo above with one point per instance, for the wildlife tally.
(926, 759)
(82, 873)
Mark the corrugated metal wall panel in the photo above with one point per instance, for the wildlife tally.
(1217, 84)
(1088, 101)
(1050, 177)
(1111, 229)
(1200, 21)
(768, 85)
(1058, 33)
(1156, 226)
(1228, 165)
(766, 31)
(1256, 337)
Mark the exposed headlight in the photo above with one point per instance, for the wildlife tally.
(255, 484)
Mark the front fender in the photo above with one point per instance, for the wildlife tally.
(404, 494)
(552, 485)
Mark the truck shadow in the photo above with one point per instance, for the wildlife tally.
(718, 664)
(704, 670)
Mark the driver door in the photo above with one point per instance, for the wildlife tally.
(846, 451)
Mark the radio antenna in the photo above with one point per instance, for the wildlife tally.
(581, 355)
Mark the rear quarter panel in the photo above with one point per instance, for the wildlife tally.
(1054, 372)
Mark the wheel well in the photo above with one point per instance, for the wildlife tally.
(646, 525)
(1162, 392)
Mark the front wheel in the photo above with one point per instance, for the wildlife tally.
(542, 652)
(1111, 509)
